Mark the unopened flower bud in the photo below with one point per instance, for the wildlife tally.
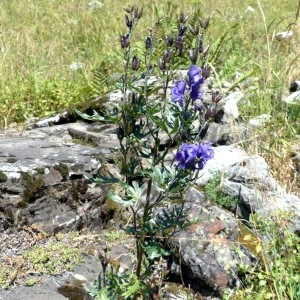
(182, 30)
(179, 41)
(135, 63)
(205, 72)
(129, 22)
(148, 42)
(179, 44)
(193, 55)
(205, 50)
(162, 65)
(137, 13)
(200, 45)
(216, 97)
(204, 24)
(186, 115)
(183, 18)
(167, 56)
(125, 41)
(210, 112)
(169, 41)
(140, 13)
(130, 9)
(198, 104)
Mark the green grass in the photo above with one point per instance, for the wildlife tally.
(50, 255)
(278, 275)
(213, 189)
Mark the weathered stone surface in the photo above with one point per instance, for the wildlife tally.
(259, 120)
(226, 134)
(248, 178)
(251, 181)
(208, 253)
(44, 181)
(228, 111)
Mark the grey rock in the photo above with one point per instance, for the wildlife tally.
(225, 156)
(230, 108)
(207, 254)
(226, 134)
(284, 36)
(251, 181)
(44, 177)
(294, 97)
(248, 178)
(94, 4)
(76, 66)
(259, 120)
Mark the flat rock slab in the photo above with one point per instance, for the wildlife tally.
(43, 175)
(45, 147)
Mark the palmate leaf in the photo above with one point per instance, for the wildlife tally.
(154, 250)
(135, 192)
(125, 202)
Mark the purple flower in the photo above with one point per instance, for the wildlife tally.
(178, 92)
(194, 75)
(194, 156)
(196, 92)
(195, 82)
(205, 150)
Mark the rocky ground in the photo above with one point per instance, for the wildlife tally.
(45, 195)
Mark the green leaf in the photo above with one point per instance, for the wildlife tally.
(105, 179)
(135, 192)
(154, 250)
(94, 117)
(132, 288)
(160, 124)
(118, 199)
(103, 294)
(175, 126)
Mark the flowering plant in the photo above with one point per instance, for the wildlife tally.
(194, 156)
(149, 124)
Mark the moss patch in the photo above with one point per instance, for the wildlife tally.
(63, 170)
(33, 185)
(53, 258)
(11, 160)
(3, 177)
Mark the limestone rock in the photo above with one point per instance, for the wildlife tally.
(208, 253)
(44, 177)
